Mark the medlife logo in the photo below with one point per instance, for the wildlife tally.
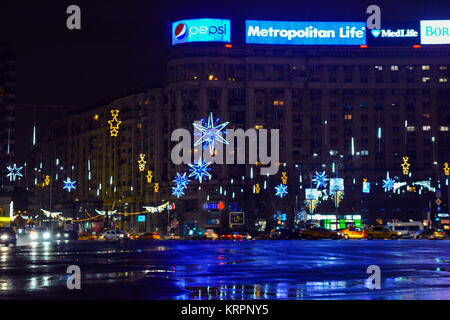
(211, 135)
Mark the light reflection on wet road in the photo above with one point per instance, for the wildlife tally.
(411, 269)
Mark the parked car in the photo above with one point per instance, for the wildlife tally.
(353, 233)
(8, 236)
(87, 236)
(380, 232)
(321, 233)
(149, 236)
(286, 233)
(110, 235)
(431, 234)
(210, 234)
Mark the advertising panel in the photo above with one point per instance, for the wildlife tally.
(398, 34)
(201, 30)
(305, 33)
(435, 31)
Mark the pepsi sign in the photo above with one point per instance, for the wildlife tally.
(201, 30)
(305, 33)
(435, 31)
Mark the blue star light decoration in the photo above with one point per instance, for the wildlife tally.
(388, 183)
(69, 185)
(14, 172)
(178, 191)
(320, 179)
(199, 169)
(211, 132)
(281, 190)
(181, 180)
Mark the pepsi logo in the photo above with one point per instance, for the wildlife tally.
(181, 32)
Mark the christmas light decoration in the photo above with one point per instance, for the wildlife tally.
(211, 132)
(388, 183)
(178, 191)
(156, 187)
(14, 172)
(366, 186)
(446, 169)
(149, 176)
(257, 188)
(114, 123)
(199, 169)
(160, 208)
(284, 178)
(142, 162)
(311, 205)
(337, 197)
(47, 180)
(69, 185)
(405, 165)
(181, 180)
(320, 179)
(281, 190)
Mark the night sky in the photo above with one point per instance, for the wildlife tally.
(122, 44)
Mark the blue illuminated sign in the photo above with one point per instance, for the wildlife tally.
(141, 218)
(394, 34)
(201, 30)
(435, 31)
(366, 187)
(305, 33)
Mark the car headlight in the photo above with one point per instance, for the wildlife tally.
(121, 235)
(58, 235)
(46, 235)
(66, 235)
(4, 237)
(33, 235)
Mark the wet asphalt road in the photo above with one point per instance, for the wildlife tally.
(262, 269)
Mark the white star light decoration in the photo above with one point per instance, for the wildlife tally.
(388, 183)
(14, 172)
(210, 133)
(178, 191)
(181, 180)
(69, 184)
(281, 190)
(320, 179)
(199, 169)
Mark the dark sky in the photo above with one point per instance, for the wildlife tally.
(122, 44)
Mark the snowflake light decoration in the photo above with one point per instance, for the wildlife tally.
(337, 197)
(14, 172)
(311, 205)
(320, 179)
(69, 184)
(199, 169)
(281, 190)
(181, 180)
(178, 191)
(388, 183)
(211, 132)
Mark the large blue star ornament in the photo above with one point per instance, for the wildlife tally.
(69, 185)
(178, 191)
(14, 172)
(211, 132)
(181, 180)
(388, 183)
(199, 169)
(320, 179)
(281, 190)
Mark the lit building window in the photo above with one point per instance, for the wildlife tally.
(379, 68)
(426, 128)
(96, 117)
(409, 68)
(394, 68)
(426, 79)
(364, 152)
(211, 77)
(426, 116)
(443, 128)
(257, 127)
(348, 116)
(443, 79)
(442, 67)
(411, 128)
(278, 103)
(426, 67)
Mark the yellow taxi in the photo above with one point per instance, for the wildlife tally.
(353, 233)
(380, 232)
(149, 236)
(320, 233)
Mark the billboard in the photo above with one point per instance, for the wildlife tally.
(237, 218)
(305, 33)
(397, 34)
(435, 31)
(336, 184)
(201, 30)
